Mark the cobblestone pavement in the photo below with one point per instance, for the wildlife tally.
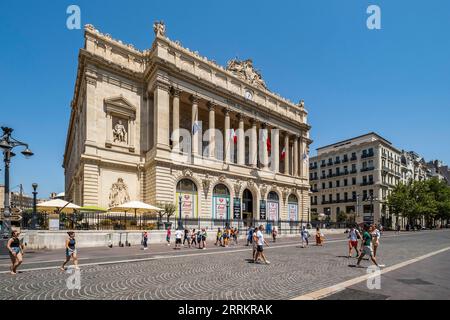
(219, 274)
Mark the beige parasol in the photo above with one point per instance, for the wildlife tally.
(61, 206)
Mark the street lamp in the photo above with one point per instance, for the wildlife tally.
(34, 219)
(180, 222)
(8, 143)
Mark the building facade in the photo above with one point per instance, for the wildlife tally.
(355, 176)
(167, 125)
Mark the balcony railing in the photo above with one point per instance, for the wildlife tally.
(367, 169)
(367, 183)
(353, 171)
(330, 163)
(367, 155)
(344, 160)
(353, 158)
(337, 162)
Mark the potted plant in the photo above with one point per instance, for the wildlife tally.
(169, 210)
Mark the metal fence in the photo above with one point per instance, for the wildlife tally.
(130, 221)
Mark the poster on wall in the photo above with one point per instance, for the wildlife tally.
(188, 205)
(220, 208)
(237, 208)
(262, 210)
(273, 211)
(292, 212)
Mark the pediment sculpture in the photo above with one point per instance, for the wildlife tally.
(159, 28)
(119, 193)
(119, 132)
(245, 71)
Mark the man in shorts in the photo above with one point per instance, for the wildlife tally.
(366, 247)
(261, 242)
(353, 237)
(178, 236)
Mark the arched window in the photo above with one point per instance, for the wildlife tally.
(273, 196)
(221, 190)
(292, 199)
(186, 185)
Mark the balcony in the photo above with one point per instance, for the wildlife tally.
(367, 155)
(323, 165)
(344, 160)
(353, 171)
(313, 178)
(330, 176)
(323, 177)
(337, 162)
(367, 169)
(329, 163)
(313, 167)
(353, 158)
(367, 183)
(314, 190)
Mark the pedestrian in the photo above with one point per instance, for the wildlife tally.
(353, 236)
(189, 237)
(319, 237)
(366, 247)
(168, 235)
(71, 251)
(254, 243)
(375, 239)
(274, 233)
(178, 236)
(235, 235)
(249, 235)
(398, 228)
(15, 249)
(204, 236)
(260, 245)
(218, 237)
(144, 240)
(304, 233)
(199, 238)
(193, 238)
(186, 236)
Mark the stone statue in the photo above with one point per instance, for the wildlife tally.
(119, 132)
(302, 103)
(159, 28)
(119, 193)
(246, 71)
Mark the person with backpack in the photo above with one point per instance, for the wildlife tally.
(144, 240)
(250, 235)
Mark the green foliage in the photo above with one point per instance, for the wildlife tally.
(169, 210)
(341, 217)
(429, 199)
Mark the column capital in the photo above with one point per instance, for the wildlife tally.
(241, 116)
(194, 98)
(226, 111)
(175, 92)
(211, 105)
(160, 85)
(253, 121)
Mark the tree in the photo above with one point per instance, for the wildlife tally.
(341, 216)
(169, 209)
(401, 201)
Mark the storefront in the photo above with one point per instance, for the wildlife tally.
(273, 206)
(187, 197)
(221, 202)
(292, 208)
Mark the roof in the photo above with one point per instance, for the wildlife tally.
(361, 136)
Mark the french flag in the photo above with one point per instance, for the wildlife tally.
(233, 135)
(283, 153)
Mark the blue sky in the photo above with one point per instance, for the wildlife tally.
(394, 81)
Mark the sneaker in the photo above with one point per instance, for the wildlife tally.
(267, 262)
(381, 265)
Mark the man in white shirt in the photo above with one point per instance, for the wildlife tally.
(178, 236)
(261, 243)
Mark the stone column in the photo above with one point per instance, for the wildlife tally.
(286, 156)
(241, 141)
(275, 150)
(253, 152)
(302, 161)
(265, 154)
(194, 122)
(176, 119)
(296, 163)
(161, 115)
(212, 126)
(227, 134)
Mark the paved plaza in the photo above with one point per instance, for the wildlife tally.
(226, 273)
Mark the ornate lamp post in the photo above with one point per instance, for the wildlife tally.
(180, 221)
(7, 144)
(34, 219)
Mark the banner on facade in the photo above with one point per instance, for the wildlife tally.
(273, 210)
(221, 207)
(292, 212)
(262, 209)
(188, 205)
(237, 208)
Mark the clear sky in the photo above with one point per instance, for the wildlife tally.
(394, 81)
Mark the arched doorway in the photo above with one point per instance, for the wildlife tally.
(247, 206)
(221, 202)
(292, 208)
(273, 206)
(187, 199)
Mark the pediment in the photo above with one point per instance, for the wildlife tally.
(120, 106)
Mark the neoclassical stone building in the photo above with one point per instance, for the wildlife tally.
(139, 130)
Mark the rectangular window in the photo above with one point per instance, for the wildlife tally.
(338, 183)
(353, 181)
(345, 182)
(323, 185)
(330, 184)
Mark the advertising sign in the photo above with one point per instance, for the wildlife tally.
(237, 208)
(188, 205)
(262, 209)
(220, 208)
